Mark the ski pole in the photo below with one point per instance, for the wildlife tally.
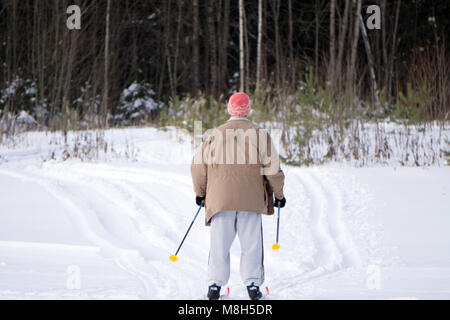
(174, 256)
(276, 246)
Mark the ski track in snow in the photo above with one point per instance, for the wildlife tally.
(348, 255)
(333, 248)
(121, 222)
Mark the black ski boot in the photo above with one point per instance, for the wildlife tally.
(253, 292)
(213, 292)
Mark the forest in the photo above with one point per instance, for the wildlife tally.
(313, 64)
(106, 106)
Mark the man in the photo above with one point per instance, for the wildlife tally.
(235, 174)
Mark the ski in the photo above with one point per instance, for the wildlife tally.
(265, 293)
(226, 295)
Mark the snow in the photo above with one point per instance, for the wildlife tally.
(31, 91)
(367, 144)
(408, 210)
(25, 118)
(104, 228)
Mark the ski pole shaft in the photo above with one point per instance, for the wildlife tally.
(193, 220)
(276, 245)
(278, 221)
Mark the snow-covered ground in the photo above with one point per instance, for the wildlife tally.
(105, 229)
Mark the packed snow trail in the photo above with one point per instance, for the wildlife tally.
(118, 223)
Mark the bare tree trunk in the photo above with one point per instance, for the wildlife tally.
(383, 42)
(196, 48)
(371, 63)
(342, 37)
(241, 45)
(56, 56)
(354, 52)
(177, 49)
(169, 72)
(393, 50)
(223, 84)
(105, 81)
(332, 66)
(247, 53)
(316, 39)
(165, 51)
(212, 47)
(377, 56)
(291, 44)
(276, 16)
(69, 61)
(12, 68)
(259, 47)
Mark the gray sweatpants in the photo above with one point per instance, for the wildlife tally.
(248, 226)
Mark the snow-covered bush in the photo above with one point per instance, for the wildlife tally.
(137, 105)
(25, 121)
(21, 92)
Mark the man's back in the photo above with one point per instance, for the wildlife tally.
(229, 169)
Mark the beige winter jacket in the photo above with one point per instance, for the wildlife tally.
(237, 168)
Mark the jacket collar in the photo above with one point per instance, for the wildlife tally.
(238, 118)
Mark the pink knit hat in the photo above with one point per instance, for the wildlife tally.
(239, 105)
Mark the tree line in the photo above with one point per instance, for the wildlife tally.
(210, 48)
